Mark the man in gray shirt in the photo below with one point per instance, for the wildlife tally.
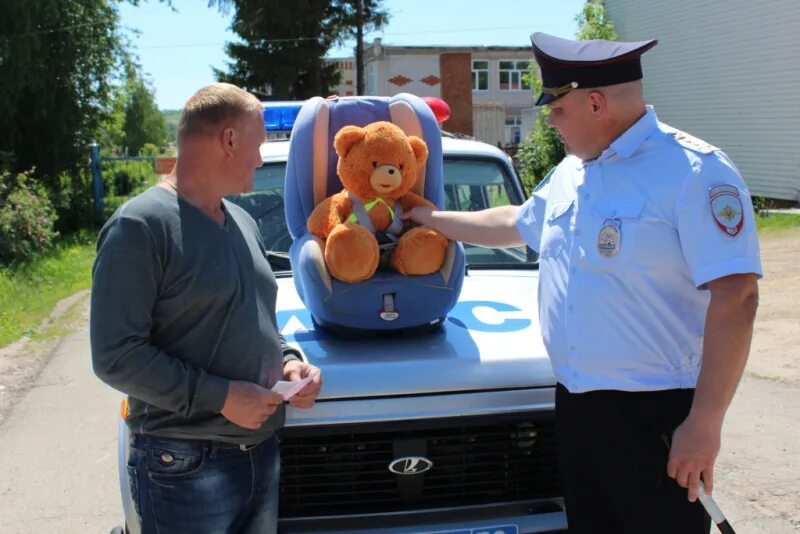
(183, 321)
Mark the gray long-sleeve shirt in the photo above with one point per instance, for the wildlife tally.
(181, 306)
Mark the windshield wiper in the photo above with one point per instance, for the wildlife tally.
(503, 266)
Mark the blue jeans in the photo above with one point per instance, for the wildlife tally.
(197, 487)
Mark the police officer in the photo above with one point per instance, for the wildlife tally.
(649, 262)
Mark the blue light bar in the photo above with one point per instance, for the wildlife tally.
(280, 116)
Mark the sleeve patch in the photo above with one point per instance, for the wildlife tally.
(726, 208)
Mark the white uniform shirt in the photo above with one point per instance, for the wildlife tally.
(627, 244)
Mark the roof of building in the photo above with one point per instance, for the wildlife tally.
(378, 43)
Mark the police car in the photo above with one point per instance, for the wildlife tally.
(447, 431)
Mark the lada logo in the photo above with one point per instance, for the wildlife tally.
(410, 465)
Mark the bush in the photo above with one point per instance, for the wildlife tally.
(122, 184)
(27, 218)
(124, 178)
(149, 150)
(73, 201)
(759, 204)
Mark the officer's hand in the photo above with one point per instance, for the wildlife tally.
(294, 371)
(248, 405)
(420, 215)
(695, 445)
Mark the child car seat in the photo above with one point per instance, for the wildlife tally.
(388, 300)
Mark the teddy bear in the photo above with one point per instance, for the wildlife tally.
(378, 165)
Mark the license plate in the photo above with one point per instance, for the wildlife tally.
(501, 529)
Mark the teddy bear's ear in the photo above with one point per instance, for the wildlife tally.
(347, 138)
(420, 149)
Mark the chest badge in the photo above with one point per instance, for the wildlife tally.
(726, 208)
(609, 240)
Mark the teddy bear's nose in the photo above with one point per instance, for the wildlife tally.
(391, 171)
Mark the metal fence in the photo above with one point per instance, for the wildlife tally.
(117, 178)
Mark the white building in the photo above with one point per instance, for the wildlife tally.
(483, 85)
(727, 71)
(347, 68)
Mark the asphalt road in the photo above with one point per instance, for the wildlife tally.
(58, 467)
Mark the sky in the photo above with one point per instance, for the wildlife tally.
(177, 49)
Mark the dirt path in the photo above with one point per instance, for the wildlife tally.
(758, 470)
(775, 353)
(22, 361)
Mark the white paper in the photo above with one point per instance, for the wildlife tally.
(290, 389)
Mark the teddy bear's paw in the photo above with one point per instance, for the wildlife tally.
(351, 253)
(420, 251)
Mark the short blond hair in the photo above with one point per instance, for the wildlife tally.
(214, 105)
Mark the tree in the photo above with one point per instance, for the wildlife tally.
(593, 23)
(360, 17)
(284, 48)
(543, 149)
(144, 123)
(56, 60)
(130, 120)
(112, 128)
(56, 57)
(360, 47)
(171, 119)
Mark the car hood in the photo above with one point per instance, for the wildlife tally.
(489, 341)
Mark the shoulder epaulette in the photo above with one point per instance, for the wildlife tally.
(691, 142)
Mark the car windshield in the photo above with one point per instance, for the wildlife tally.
(471, 184)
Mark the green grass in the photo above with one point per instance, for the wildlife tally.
(777, 221)
(28, 292)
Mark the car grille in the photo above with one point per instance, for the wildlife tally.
(341, 471)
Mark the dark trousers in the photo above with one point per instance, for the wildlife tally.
(200, 487)
(613, 462)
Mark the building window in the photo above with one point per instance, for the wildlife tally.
(513, 130)
(480, 75)
(511, 76)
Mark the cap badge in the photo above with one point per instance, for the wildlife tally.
(558, 91)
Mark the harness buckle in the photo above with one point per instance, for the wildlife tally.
(389, 313)
(385, 240)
